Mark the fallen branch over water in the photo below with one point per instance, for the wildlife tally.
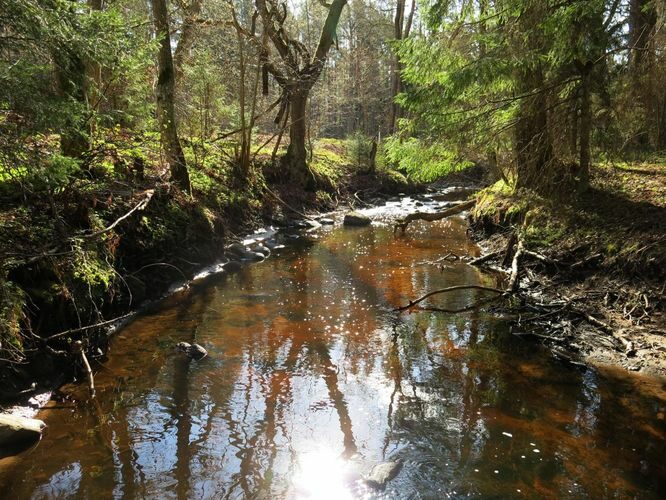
(84, 328)
(412, 303)
(431, 217)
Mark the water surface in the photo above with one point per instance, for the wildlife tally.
(312, 378)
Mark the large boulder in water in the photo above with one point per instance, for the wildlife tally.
(356, 219)
(15, 430)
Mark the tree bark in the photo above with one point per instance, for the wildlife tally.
(642, 24)
(398, 22)
(533, 148)
(186, 36)
(165, 91)
(585, 128)
(532, 141)
(296, 157)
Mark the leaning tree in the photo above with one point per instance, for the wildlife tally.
(295, 70)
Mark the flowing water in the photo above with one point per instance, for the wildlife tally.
(312, 378)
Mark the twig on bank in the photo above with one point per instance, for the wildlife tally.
(165, 264)
(540, 257)
(471, 307)
(280, 200)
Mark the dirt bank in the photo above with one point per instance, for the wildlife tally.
(593, 288)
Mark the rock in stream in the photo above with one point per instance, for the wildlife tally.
(356, 219)
(383, 473)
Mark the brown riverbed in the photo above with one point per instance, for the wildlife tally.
(311, 379)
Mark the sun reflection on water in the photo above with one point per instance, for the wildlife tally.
(322, 474)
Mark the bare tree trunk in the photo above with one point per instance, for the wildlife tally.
(585, 128)
(642, 24)
(533, 145)
(398, 21)
(165, 90)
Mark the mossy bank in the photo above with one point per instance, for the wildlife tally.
(99, 238)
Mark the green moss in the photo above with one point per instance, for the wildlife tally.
(91, 269)
(12, 302)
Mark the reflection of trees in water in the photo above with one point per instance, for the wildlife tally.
(454, 384)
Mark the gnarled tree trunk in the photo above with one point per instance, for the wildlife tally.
(297, 75)
(296, 158)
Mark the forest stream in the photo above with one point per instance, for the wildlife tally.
(312, 378)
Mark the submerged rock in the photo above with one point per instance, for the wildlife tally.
(233, 266)
(237, 250)
(262, 249)
(356, 219)
(14, 429)
(383, 473)
(326, 221)
(194, 351)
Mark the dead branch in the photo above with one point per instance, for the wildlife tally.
(513, 280)
(77, 348)
(140, 206)
(594, 321)
(412, 303)
(540, 257)
(431, 217)
(462, 309)
(84, 328)
(484, 258)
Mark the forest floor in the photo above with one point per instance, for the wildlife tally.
(597, 293)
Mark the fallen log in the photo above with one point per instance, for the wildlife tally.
(432, 216)
(15, 429)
